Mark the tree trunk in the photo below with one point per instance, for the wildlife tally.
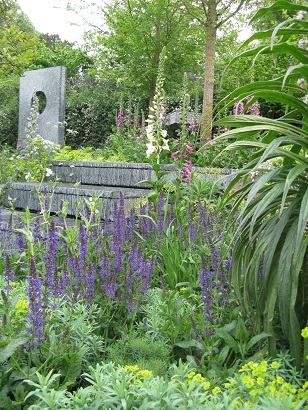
(208, 91)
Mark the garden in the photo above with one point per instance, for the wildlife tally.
(197, 299)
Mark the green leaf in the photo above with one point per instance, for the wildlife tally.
(255, 339)
(223, 354)
(222, 333)
(71, 365)
(278, 6)
(156, 167)
(8, 351)
(186, 344)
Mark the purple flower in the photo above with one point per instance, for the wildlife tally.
(66, 281)
(120, 120)
(132, 225)
(128, 118)
(36, 231)
(238, 108)
(214, 284)
(75, 272)
(189, 166)
(51, 281)
(162, 114)
(138, 276)
(36, 328)
(90, 281)
(109, 280)
(160, 214)
(8, 274)
(20, 239)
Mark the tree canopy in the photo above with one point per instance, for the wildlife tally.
(129, 46)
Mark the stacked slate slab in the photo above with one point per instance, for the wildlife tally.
(124, 174)
(77, 181)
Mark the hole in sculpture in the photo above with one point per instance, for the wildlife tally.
(42, 101)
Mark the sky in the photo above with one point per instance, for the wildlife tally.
(49, 16)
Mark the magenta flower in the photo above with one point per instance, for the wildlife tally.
(189, 149)
(238, 108)
(120, 121)
(174, 155)
(189, 166)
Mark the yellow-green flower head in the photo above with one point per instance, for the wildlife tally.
(248, 381)
(22, 305)
(207, 385)
(216, 390)
(280, 380)
(272, 387)
(260, 381)
(132, 369)
(191, 375)
(274, 365)
(184, 289)
(305, 332)
(145, 374)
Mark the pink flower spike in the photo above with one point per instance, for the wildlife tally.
(189, 165)
(189, 149)
(174, 155)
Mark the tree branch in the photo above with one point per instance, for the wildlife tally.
(223, 21)
(192, 13)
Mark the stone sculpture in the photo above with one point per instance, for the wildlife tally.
(49, 85)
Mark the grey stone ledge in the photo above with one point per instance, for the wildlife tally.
(122, 174)
(30, 195)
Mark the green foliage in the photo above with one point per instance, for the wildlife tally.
(52, 52)
(129, 139)
(113, 387)
(270, 248)
(9, 87)
(167, 325)
(71, 323)
(215, 155)
(128, 49)
(142, 351)
(90, 110)
(18, 40)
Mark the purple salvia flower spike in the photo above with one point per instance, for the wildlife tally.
(36, 328)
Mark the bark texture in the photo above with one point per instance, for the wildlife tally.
(209, 64)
